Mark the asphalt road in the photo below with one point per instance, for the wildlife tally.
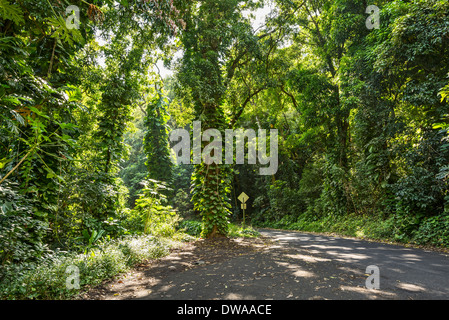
(293, 265)
(405, 273)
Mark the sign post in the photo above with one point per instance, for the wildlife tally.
(243, 197)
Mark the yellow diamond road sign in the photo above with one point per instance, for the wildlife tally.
(243, 197)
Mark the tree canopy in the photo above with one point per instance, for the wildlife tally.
(86, 116)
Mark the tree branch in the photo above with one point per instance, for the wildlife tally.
(51, 60)
(248, 99)
(292, 97)
(13, 169)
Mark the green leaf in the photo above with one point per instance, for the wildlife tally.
(63, 33)
(11, 12)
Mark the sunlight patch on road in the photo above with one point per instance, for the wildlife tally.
(237, 296)
(307, 258)
(411, 257)
(348, 257)
(410, 287)
(303, 274)
(376, 294)
(296, 270)
(327, 247)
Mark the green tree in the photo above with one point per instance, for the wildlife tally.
(156, 144)
(208, 66)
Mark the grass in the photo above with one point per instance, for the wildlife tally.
(428, 231)
(53, 278)
(238, 231)
(48, 279)
(193, 228)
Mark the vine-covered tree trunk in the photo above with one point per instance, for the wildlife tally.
(156, 140)
(212, 183)
(207, 37)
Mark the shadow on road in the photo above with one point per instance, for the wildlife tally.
(285, 265)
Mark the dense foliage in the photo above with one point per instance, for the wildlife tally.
(365, 130)
(85, 159)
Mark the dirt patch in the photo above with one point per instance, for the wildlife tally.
(149, 274)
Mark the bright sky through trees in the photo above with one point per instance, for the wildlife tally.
(257, 23)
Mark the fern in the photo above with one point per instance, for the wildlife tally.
(11, 12)
(62, 32)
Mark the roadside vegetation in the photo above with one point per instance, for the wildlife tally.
(433, 231)
(88, 176)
